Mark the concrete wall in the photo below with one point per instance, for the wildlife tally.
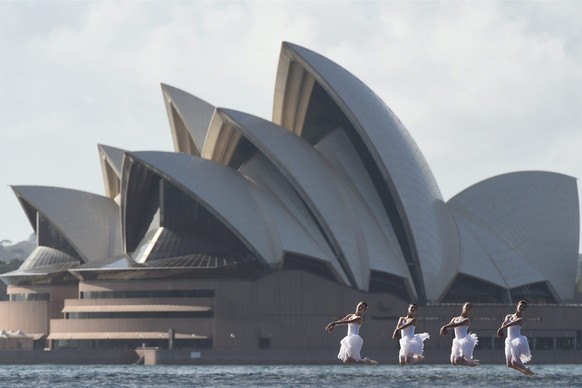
(30, 317)
(287, 312)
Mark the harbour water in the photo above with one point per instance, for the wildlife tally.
(285, 376)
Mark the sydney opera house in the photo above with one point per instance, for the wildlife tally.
(254, 234)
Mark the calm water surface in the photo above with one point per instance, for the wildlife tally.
(285, 376)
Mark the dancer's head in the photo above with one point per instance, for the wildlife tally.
(521, 305)
(361, 307)
(467, 307)
(412, 308)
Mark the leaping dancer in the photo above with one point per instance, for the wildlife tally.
(517, 351)
(411, 345)
(351, 344)
(463, 343)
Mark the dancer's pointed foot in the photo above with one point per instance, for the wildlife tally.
(370, 361)
(416, 358)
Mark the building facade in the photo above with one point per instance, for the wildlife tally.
(254, 234)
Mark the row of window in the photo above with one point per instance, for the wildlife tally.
(29, 297)
(201, 343)
(140, 314)
(147, 294)
(538, 343)
(122, 294)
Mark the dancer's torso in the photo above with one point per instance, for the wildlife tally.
(408, 332)
(514, 331)
(353, 328)
(461, 331)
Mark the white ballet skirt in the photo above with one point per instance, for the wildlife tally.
(412, 344)
(351, 344)
(516, 345)
(463, 343)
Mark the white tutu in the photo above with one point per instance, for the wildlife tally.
(351, 345)
(463, 344)
(412, 344)
(517, 349)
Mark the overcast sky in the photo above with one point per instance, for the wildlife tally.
(484, 88)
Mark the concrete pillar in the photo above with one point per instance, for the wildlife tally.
(171, 338)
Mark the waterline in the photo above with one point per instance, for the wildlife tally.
(285, 376)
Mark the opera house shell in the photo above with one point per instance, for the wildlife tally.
(254, 233)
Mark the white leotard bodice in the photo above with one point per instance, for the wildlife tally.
(353, 329)
(514, 331)
(408, 331)
(461, 331)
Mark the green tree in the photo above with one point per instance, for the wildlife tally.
(13, 265)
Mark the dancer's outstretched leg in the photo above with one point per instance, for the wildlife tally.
(463, 361)
(518, 366)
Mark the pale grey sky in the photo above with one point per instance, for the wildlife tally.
(484, 88)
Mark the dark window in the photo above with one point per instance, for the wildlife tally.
(20, 297)
(538, 293)
(485, 342)
(49, 236)
(565, 343)
(315, 267)
(189, 230)
(244, 151)
(145, 202)
(466, 288)
(543, 342)
(389, 284)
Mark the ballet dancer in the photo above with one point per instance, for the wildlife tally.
(463, 343)
(411, 345)
(517, 351)
(351, 344)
